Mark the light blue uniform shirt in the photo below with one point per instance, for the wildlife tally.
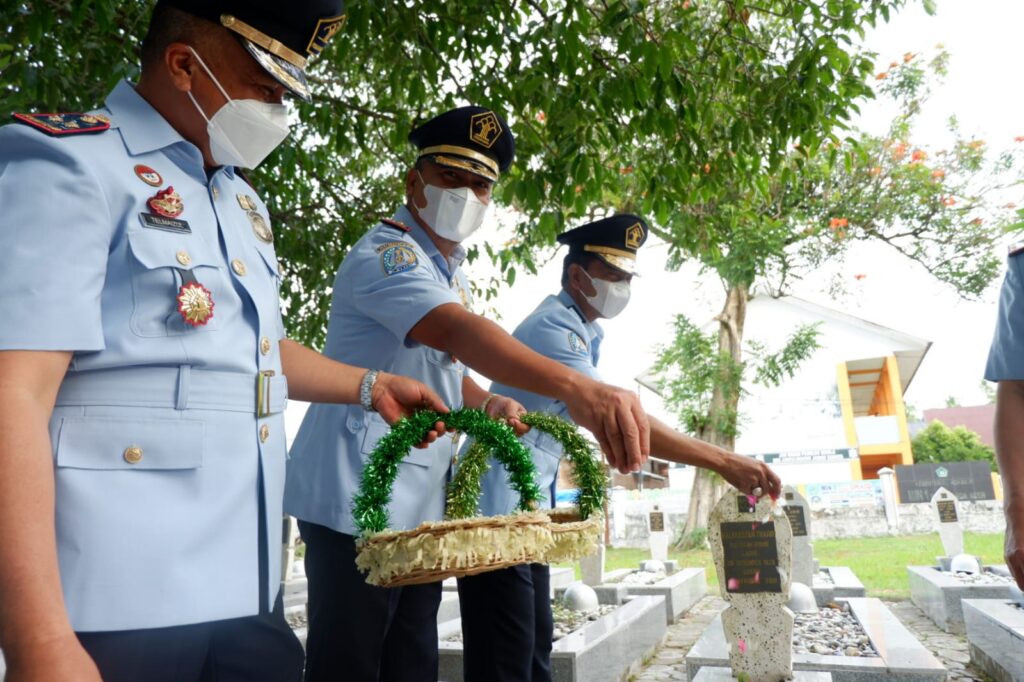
(171, 538)
(386, 284)
(1006, 355)
(558, 330)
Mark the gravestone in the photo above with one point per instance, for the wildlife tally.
(592, 567)
(950, 531)
(751, 543)
(658, 535)
(799, 514)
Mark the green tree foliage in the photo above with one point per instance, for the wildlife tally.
(939, 443)
(693, 366)
(944, 209)
(656, 106)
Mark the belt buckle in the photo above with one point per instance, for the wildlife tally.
(263, 393)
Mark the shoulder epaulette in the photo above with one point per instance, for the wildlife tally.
(396, 224)
(65, 124)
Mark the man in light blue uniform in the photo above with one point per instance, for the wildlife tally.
(1006, 366)
(143, 361)
(401, 303)
(506, 614)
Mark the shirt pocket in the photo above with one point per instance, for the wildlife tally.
(443, 360)
(376, 428)
(156, 258)
(130, 444)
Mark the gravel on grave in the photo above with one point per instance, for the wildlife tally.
(567, 621)
(833, 631)
(823, 577)
(640, 578)
(986, 578)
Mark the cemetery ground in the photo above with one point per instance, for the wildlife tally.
(880, 563)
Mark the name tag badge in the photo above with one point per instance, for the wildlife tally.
(157, 222)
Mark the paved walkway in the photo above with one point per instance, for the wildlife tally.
(667, 663)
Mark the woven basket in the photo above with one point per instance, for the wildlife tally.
(459, 547)
(572, 537)
(455, 548)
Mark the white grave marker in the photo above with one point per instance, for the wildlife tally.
(799, 513)
(658, 535)
(950, 531)
(752, 545)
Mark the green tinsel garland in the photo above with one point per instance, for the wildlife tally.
(464, 489)
(370, 506)
(587, 471)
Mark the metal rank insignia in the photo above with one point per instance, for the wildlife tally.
(195, 302)
(260, 227)
(166, 203)
(246, 202)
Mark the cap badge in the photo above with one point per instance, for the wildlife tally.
(484, 129)
(634, 236)
(148, 175)
(166, 203)
(322, 34)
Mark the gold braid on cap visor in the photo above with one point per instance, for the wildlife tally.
(263, 40)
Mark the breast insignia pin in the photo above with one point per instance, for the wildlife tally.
(148, 175)
(166, 203)
(260, 227)
(195, 303)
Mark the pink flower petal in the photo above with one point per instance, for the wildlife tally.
(742, 646)
(733, 584)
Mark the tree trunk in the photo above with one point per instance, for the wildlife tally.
(720, 428)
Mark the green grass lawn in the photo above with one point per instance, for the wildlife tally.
(880, 563)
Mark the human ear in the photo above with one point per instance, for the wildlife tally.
(181, 66)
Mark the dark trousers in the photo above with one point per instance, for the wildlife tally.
(362, 633)
(253, 649)
(507, 625)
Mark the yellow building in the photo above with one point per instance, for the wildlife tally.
(874, 415)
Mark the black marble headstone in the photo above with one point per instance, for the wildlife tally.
(750, 557)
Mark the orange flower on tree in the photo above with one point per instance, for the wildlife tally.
(976, 144)
(1010, 205)
(877, 170)
(837, 223)
(707, 167)
(908, 57)
(918, 155)
(626, 170)
(893, 65)
(859, 276)
(541, 116)
(948, 201)
(882, 76)
(1019, 138)
(977, 222)
(938, 174)
(900, 150)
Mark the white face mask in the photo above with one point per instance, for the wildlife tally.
(453, 214)
(243, 131)
(611, 297)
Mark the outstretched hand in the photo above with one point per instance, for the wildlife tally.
(618, 422)
(396, 396)
(747, 474)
